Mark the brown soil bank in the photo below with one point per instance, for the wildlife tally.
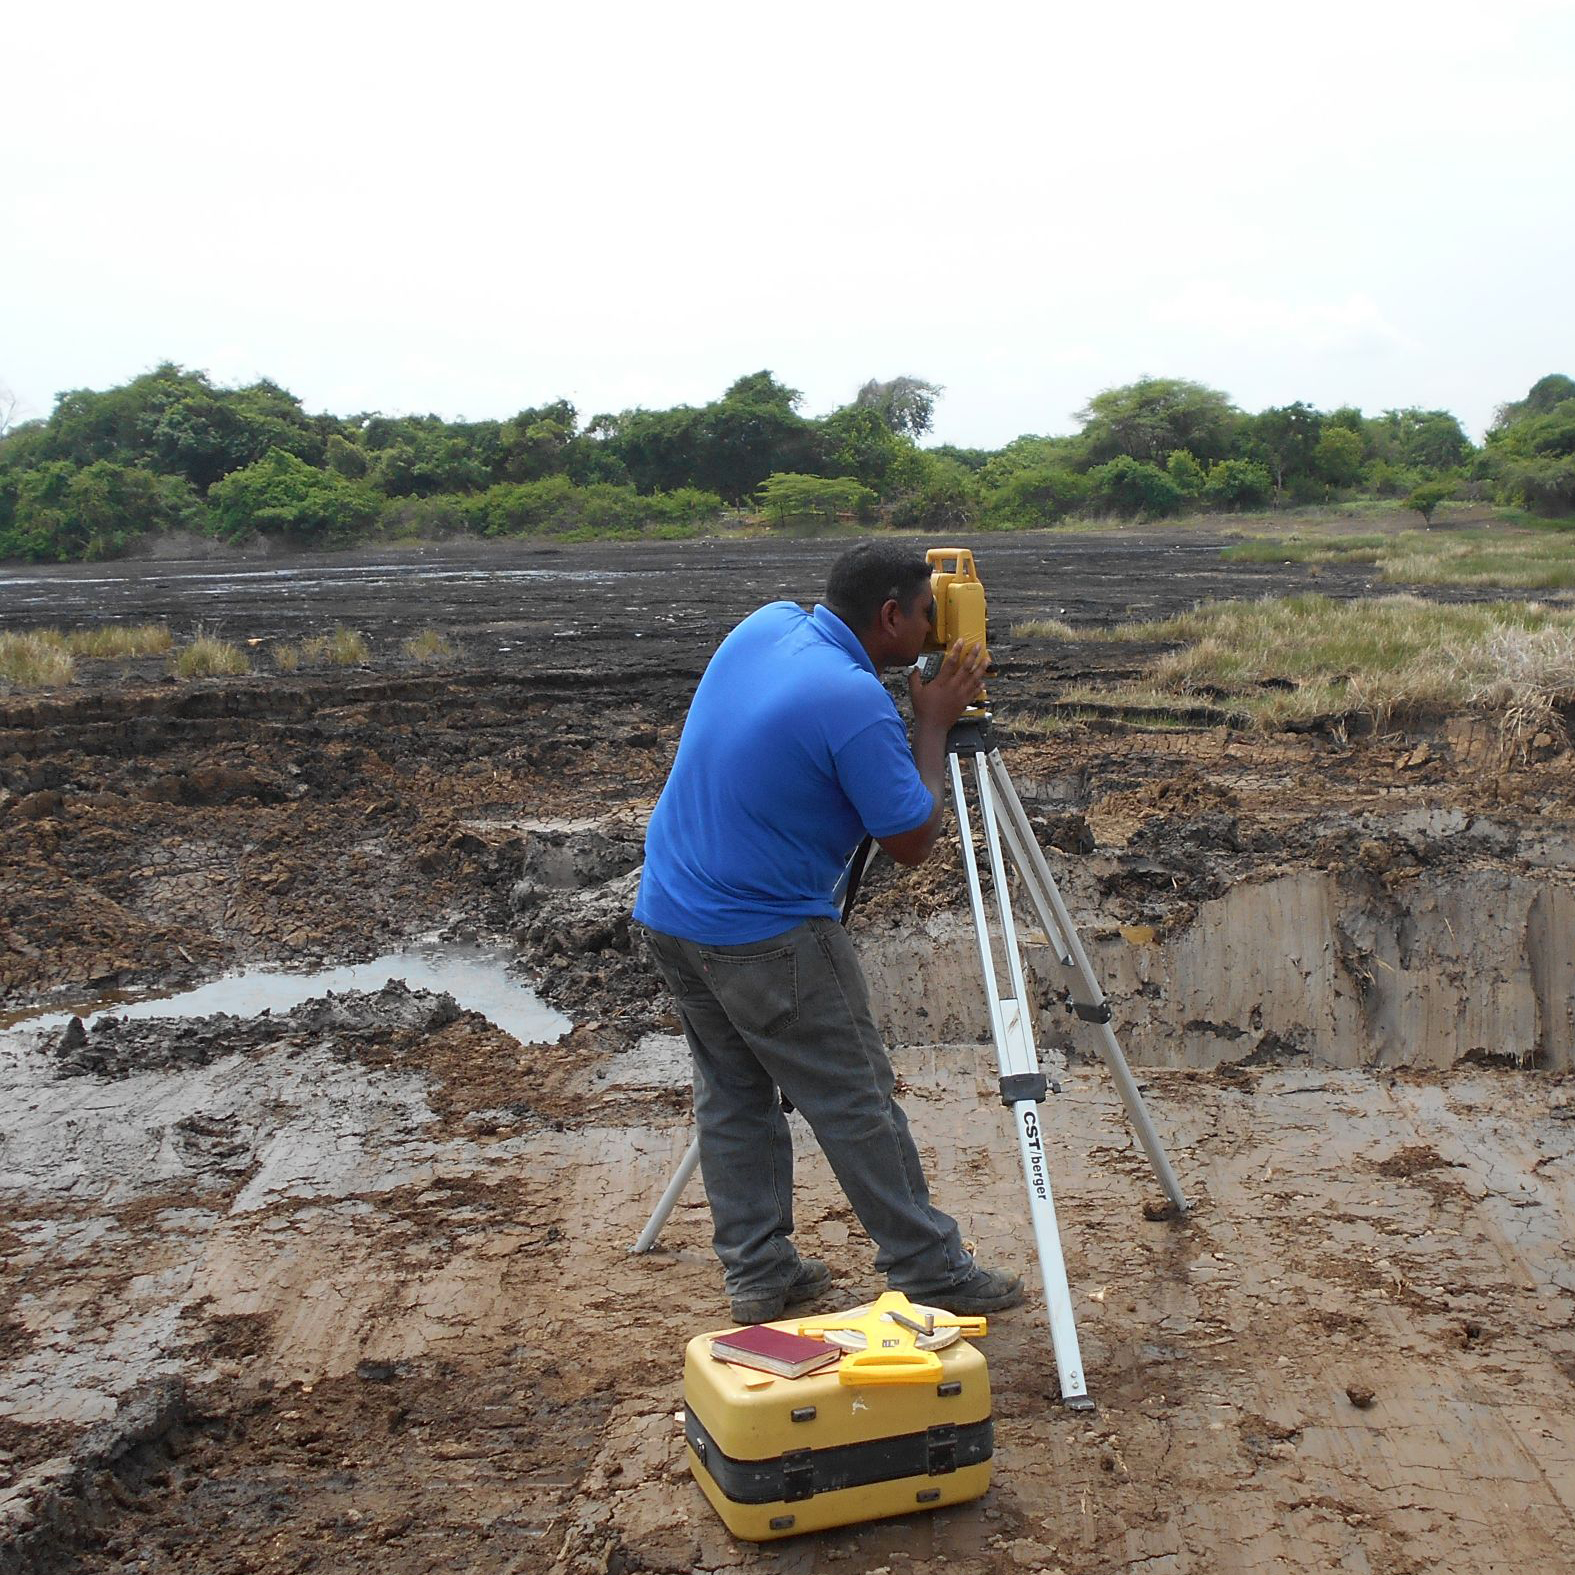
(347, 1286)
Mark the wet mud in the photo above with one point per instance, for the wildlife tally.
(347, 1284)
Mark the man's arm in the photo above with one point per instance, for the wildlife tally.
(937, 706)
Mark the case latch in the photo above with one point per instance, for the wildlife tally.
(798, 1475)
(940, 1444)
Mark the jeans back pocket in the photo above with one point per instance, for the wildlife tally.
(757, 990)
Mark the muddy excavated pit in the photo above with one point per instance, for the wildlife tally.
(342, 1281)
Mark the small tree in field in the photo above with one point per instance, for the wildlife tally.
(788, 496)
(1427, 497)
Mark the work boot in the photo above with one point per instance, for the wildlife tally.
(982, 1291)
(810, 1279)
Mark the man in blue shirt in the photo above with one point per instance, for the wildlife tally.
(792, 752)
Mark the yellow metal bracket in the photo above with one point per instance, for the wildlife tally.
(896, 1335)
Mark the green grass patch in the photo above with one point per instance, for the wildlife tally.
(1297, 549)
(1517, 559)
(210, 657)
(39, 659)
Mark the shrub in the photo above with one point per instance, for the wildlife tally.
(283, 495)
(1545, 486)
(1238, 484)
(554, 505)
(445, 515)
(1132, 487)
(1038, 495)
(946, 497)
(209, 657)
(1186, 472)
(683, 506)
(56, 512)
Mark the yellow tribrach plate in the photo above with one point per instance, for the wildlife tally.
(891, 1340)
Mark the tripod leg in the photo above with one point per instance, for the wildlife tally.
(1022, 1083)
(665, 1204)
(1088, 1000)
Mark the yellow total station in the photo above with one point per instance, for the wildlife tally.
(959, 603)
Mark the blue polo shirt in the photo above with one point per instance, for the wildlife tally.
(791, 752)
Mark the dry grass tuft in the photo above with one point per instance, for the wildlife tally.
(46, 658)
(341, 647)
(210, 657)
(39, 659)
(431, 645)
(1043, 628)
(1303, 657)
(1530, 673)
(118, 639)
(286, 657)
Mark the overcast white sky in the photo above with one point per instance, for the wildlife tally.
(472, 208)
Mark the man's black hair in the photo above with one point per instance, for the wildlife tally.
(868, 576)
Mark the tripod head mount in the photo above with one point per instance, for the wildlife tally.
(972, 734)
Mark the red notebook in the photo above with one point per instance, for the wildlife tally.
(773, 1351)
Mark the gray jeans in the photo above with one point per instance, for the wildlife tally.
(792, 1013)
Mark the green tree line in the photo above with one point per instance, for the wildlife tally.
(171, 450)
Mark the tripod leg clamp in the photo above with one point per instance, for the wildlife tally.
(1026, 1085)
(1090, 1011)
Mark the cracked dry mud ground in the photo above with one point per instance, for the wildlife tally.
(347, 1286)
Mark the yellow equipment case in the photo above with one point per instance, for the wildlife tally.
(780, 1456)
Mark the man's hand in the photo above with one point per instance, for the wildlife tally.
(942, 701)
(937, 706)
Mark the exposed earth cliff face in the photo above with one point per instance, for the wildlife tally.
(349, 1283)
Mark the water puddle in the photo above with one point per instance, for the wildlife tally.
(476, 976)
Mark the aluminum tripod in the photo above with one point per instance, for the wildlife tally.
(1008, 833)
